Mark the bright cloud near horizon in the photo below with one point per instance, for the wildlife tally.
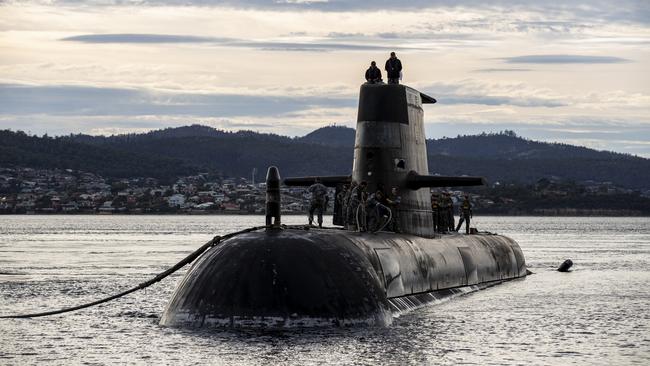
(576, 72)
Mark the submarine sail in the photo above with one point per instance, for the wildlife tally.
(298, 276)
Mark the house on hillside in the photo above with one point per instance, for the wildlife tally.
(204, 206)
(70, 207)
(176, 200)
(230, 206)
(107, 208)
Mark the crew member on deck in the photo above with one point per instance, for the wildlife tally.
(374, 211)
(449, 205)
(442, 209)
(465, 214)
(393, 69)
(347, 201)
(435, 209)
(318, 201)
(373, 74)
(339, 206)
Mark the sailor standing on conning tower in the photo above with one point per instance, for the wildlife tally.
(393, 69)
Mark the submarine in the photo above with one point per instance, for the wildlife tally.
(304, 276)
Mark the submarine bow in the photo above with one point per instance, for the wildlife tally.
(280, 278)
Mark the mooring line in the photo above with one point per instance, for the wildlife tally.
(189, 259)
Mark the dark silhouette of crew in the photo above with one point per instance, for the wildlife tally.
(339, 205)
(465, 214)
(347, 201)
(375, 210)
(435, 209)
(373, 74)
(448, 205)
(318, 201)
(393, 69)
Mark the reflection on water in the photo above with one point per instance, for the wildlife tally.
(597, 314)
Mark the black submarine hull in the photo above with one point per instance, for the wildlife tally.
(286, 276)
(319, 277)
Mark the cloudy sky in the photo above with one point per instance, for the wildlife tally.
(566, 71)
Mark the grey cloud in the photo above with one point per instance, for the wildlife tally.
(501, 70)
(233, 124)
(437, 35)
(144, 38)
(92, 101)
(292, 46)
(628, 8)
(229, 42)
(389, 35)
(63, 100)
(598, 11)
(498, 100)
(563, 59)
(551, 26)
(581, 131)
(343, 35)
(468, 93)
(294, 49)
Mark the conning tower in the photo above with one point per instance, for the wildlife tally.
(390, 151)
(390, 144)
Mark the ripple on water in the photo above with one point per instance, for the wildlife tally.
(597, 314)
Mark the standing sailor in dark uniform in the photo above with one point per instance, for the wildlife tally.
(374, 211)
(435, 209)
(393, 69)
(442, 210)
(449, 205)
(347, 200)
(373, 74)
(318, 201)
(465, 214)
(339, 206)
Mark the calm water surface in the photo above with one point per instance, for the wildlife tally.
(597, 314)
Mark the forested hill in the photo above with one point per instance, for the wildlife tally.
(179, 151)
(506, 157)
(507, 145)
(230, 153)
(332, 136)
(19, 149)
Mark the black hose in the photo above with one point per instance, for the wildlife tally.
(189, 259)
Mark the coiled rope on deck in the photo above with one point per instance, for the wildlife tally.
(363, 211)
(386, 222)
(189, 259)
